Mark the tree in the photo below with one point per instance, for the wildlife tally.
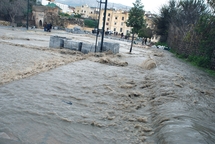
(135, 19)
(13, 8)
(145, 32)
(212, 4)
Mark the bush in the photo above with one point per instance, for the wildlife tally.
(162, 44)
(64, 14)
(90, 23)
(199, 61)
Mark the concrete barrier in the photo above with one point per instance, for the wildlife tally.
(56, 42)
(107, 46)
(68, 30)
(86, 48)
(73, 45)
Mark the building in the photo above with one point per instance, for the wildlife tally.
(39, 12)
(115, 21)
(87, 12)
(64, 8)
(44, 2)
(149, 18)
(71, 10)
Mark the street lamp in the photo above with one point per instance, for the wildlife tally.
(104, 19)
(97, 32)
(103, 28)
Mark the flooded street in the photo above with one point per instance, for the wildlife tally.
(51, 96)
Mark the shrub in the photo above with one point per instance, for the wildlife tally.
(90, 23)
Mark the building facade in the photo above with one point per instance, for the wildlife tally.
(44, 2)
(115, 21)
(87, 12)
(39, 12)
(65, 8)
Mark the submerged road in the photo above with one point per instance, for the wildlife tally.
(54, 96)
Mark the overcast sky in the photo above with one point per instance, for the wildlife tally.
(149, 5)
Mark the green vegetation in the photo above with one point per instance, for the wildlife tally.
(162, 44)
(90, 23)
(145, 32)
(198, 62)
(77, 15)
(64, 15)
(10, 9)
(188, 27)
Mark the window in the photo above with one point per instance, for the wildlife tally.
(115, 23)
(120, 29)
(122, 23)
(81, 10)
(108, 19)
(108, 14)
(84, 11)
(114, 29)
(123, 18)
(115, 18)
(107, 23)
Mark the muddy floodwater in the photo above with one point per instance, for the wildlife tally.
(58, 96)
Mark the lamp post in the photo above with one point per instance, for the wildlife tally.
(27, 14)
(97, 32)
(103, 28)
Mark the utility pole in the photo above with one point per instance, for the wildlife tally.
(27, 14)
(97, 32)
(103, 28)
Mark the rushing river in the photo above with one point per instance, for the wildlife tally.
(96, 99)
(85, 102)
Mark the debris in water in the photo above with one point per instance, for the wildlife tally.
(68, 102)
(149, 64)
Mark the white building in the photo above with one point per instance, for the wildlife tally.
(43, 2)
(65, 8)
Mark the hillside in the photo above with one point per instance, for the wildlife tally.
(93, 3)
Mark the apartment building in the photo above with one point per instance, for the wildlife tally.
(87, 12)
(115, 21)
(65, 8)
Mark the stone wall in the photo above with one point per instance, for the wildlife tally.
(62, 22)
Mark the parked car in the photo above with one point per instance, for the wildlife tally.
(109, 32)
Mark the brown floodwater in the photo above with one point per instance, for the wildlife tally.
(62, 97)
